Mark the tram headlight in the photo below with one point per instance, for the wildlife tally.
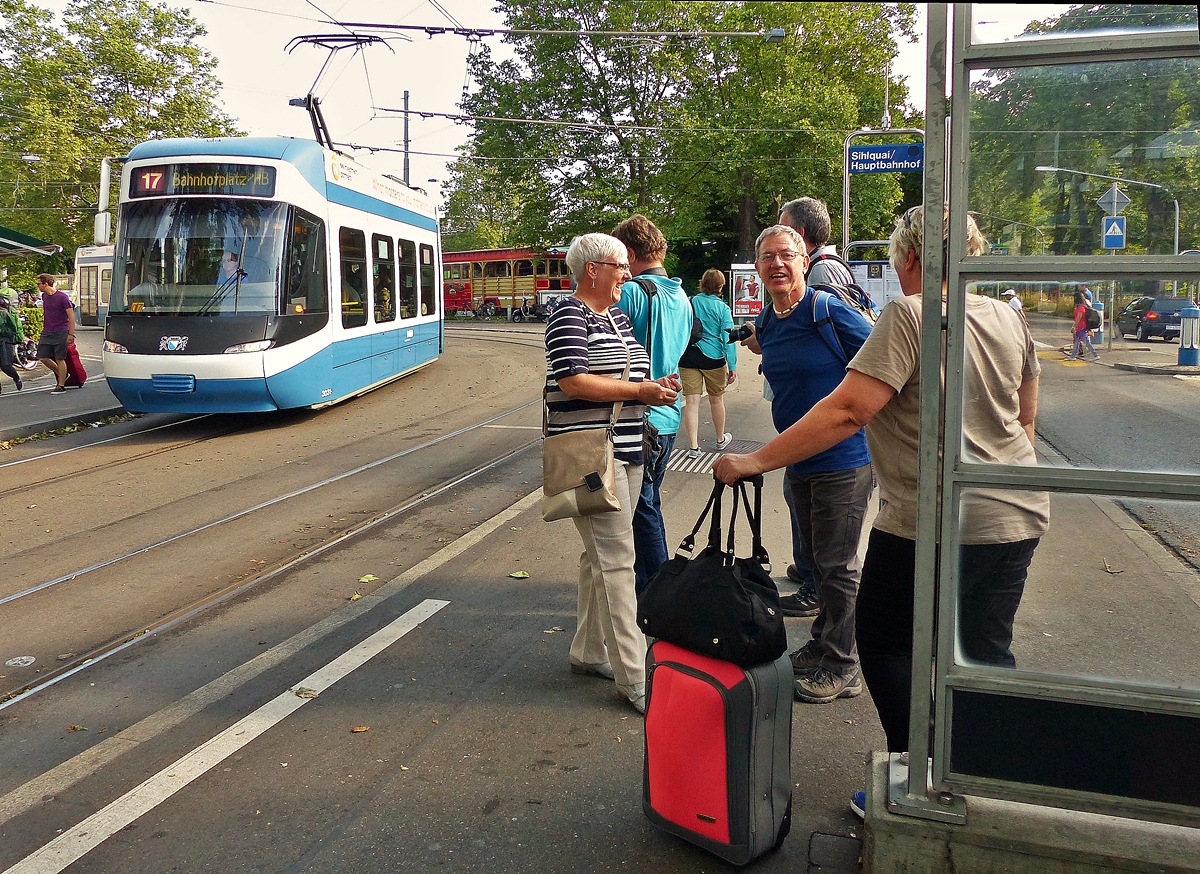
(256, 346)
(110, 346)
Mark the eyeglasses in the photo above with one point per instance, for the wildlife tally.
(908, 216)
(787, 256)
(613, 264)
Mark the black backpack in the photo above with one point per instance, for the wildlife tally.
(1091, 319)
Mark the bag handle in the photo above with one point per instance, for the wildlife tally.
(758, 551)
(688, 544)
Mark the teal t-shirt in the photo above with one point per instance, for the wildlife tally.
(672, 327)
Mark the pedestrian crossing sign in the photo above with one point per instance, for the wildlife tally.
(1114, 232)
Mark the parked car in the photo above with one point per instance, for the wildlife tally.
(1150, 317)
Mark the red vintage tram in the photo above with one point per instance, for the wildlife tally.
(494, 281)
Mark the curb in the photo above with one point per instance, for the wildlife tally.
(17, 431)
(1161, 369)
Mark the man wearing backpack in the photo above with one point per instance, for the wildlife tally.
(661, 316)
(806, 337)
(810, 217)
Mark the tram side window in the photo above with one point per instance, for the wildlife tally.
(383, 266)
(307, 290)
(524, 268)
(477, 270)
(353, 245)
(559, 275)
(406, 284)
(496, 269)
(429, 291)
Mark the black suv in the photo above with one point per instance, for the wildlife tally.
(1150, 317)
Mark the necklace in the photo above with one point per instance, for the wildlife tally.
(785, 313)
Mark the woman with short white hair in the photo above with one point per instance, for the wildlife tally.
(593, 361)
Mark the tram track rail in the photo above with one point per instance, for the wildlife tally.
(196, 608)
(261, 505)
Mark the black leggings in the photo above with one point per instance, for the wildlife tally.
(991, 582)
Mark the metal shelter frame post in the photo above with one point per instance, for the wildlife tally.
(932, 785)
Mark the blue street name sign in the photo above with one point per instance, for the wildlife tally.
(894, 158)
(1114, 232)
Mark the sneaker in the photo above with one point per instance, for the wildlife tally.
(806, 658)
(601, 669)
(858, 804)
(802, 604)
(20, 385)
(692, 454)
(724, 442)
(823, 686)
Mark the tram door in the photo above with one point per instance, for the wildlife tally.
(1099, 708)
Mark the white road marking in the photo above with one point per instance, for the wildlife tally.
(516, 427)
(70, 772)
(77, 842)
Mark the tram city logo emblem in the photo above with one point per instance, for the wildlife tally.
(335, 168)
(172, 344)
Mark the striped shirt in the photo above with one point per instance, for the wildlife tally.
(579, 340)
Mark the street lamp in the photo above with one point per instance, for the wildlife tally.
(1034, 228)
(1044, 169)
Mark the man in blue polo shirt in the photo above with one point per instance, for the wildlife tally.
(661, 316)
(826, 494)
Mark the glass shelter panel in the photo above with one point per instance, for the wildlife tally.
(1110, 592)
(1109, 398)
(1003, 22)
(1049, 143)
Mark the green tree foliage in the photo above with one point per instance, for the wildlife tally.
(112, 74)
(707, 136)
(1132, 119)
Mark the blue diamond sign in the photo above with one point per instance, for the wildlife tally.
(1114, 232)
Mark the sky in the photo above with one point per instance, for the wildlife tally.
(249, 39)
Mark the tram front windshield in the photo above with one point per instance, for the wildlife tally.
(190, 257)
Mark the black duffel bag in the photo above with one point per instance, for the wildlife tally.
(717, 604)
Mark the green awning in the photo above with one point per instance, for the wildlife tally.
(14, 244)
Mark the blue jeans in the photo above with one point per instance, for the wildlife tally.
(830, 509)
(802, 566)
(649, 532)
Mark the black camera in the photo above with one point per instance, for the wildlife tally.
(740, 333)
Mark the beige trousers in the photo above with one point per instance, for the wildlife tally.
(607, 602)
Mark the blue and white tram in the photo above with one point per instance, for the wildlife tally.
(226, 253)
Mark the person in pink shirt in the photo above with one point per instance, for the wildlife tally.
(58, 330)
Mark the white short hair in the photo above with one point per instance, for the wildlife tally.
(594, 247)
(781, 231)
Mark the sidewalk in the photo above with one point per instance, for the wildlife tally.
(35, 409)
(1155, 358)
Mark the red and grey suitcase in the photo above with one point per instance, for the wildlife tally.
(76, 375)
(719, 751)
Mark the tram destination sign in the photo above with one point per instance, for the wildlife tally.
(893, 158)
(247, 180)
